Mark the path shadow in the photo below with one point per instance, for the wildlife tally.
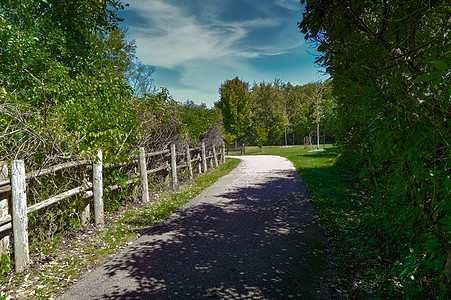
(258, 242)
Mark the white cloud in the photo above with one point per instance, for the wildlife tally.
(172, 37)
(202, 49)
(290, 4)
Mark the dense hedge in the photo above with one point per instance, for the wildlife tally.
(390, 63)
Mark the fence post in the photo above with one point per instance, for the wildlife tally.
(86, 209)
(210, 159)
(188, 161)
(174, 165)
(200, 163)
(143, 172)
(215, 157)
(223, 152)
(4, 236)
(97, 188)
(204, 158)
(19, 214)
(85, 213)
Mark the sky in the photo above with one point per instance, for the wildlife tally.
(196, 45)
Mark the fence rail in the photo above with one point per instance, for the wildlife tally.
(13, 188)
(241, 149)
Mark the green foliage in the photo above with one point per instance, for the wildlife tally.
(268, 110)
(70, 83)
(229, 139)
(234, 105)
(390, 67)
(261, 136)
(197, 118)
(6, 264)
(278, 110)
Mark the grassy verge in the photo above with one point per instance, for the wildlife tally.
(154, 213)
(361, 263)
(78, 252)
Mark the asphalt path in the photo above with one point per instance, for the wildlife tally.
(254, 234)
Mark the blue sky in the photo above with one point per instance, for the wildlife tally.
(196, 45)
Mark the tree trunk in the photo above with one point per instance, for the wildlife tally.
(317, 136)
(286, 143)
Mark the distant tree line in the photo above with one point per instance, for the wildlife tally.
(275, 113)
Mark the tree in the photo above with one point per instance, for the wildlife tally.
(298, 109)
(234, 106)
(316, 97)
(197, 119)
(261, 136)
(268, 110)
(390, 67)
(65, 67)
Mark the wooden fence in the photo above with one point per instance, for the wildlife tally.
(13, 187)
(241, 149)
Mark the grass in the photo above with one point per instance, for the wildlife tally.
(354, 236)
(157, 211)
(72, 256)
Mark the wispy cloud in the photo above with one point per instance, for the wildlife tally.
(197, 44)
(173, 37)
(290, 4)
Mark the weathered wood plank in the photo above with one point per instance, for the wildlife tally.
(4, 211)
(117, 186)
(5, 188)
(182, 166)
(196, 159)
(173, 166)
(49, 170)
(5, 219)
(86, 213)
(6, 227)
(215, 157)
(223, 152)
(56, 168)
(210, 159)
(58, 198)
(157, 153)
(204, 159)
(98, 189)
(188, 161)
(19, 215)
(5, 181)
(143, 173)
(118, 165)
(163, 167)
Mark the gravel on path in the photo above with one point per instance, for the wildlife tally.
(254, 234)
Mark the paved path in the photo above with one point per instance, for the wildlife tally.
(255, 234)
